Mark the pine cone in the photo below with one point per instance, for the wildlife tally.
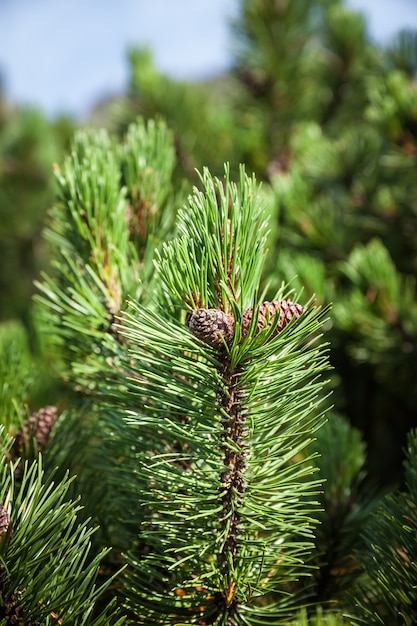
(38, 426)
(4, 520)
(268, 312)
(15, 613)
(212, 326)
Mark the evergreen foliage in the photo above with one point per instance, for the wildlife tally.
(327, 119)
(346, 503)
(16, 374)
(339, 150)
(115, 202)
(209, 450)
(222, 495)
(387, 592)
(191, 413)
(28, 147)
(114, 206)
(47, 574)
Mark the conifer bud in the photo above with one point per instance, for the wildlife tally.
(212, 326)
(268, 312)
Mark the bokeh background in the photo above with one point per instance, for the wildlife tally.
(65, 56)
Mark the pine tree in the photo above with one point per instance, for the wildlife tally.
(217, 508)
(202, 396)
(115, 203)
(336, 116)
(193, 414)
(197, 402)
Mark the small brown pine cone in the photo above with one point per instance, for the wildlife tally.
(38, 426)
(4, 520)
(46, 419)
(267, 315)
(15, 613)
(212, 326)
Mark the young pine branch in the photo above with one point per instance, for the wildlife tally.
(114, 205)
(227, 398)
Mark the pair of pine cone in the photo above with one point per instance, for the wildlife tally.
(216, 327)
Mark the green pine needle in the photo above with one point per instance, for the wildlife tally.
(46, 552)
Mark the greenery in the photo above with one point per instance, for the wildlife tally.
(208, 409)
(29, 145)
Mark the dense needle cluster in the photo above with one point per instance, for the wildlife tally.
(216, 328)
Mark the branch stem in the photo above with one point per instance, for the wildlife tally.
(235, 452)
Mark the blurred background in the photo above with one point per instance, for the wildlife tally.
(64, 57)
(318, 98)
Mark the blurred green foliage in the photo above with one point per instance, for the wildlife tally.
(29, 145)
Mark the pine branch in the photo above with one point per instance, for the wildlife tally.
(114, 204)
(346, 504)
(386, 593)
(221, 416)
(47, 573)
(216, 240)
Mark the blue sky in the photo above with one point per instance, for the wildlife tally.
(65, 55)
